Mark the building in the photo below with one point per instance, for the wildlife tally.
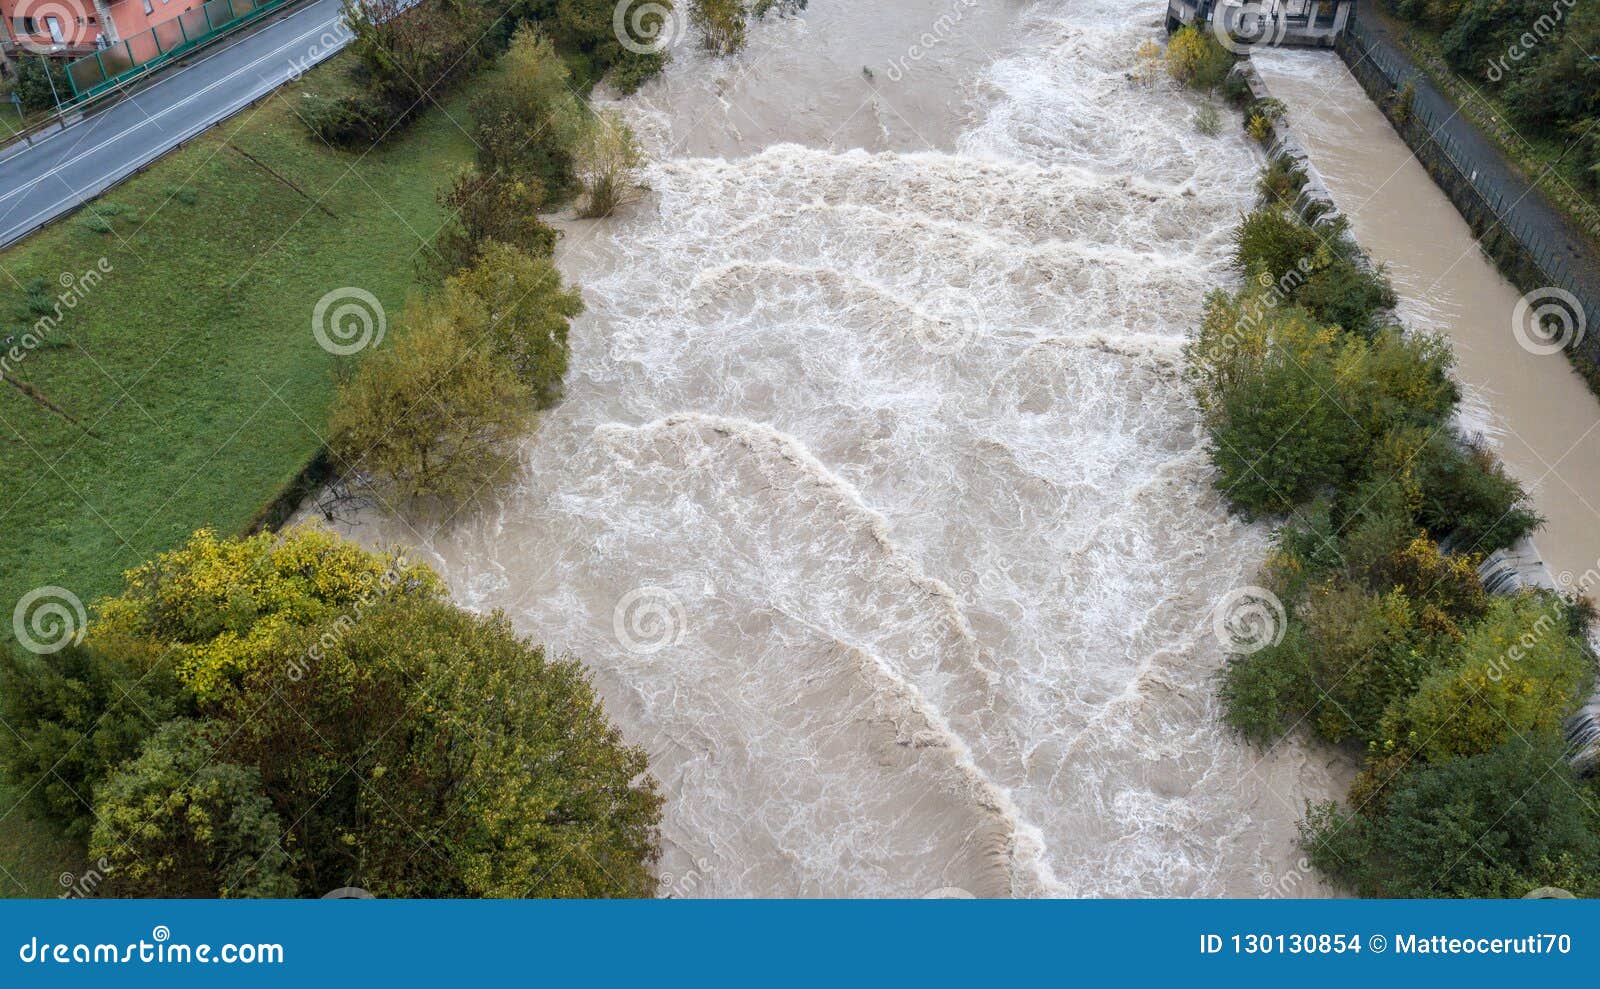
(70, 28)
(1265, 22)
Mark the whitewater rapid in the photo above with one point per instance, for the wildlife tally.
(877, 504)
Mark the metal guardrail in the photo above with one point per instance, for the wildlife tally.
(148, 50)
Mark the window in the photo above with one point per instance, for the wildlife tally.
(148, 7)
(25, 25)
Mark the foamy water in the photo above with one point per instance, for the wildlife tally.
(877, 504)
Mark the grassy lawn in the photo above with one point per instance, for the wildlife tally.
(186, 388)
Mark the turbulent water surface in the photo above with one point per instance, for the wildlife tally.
(877, 504)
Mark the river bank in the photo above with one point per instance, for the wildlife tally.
(1529, 406)
(877, 505)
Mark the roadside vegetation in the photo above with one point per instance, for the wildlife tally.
(1325, 414)
(183, 386)
(1528, 63)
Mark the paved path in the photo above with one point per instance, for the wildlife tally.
(58, 172)
(1563, 250)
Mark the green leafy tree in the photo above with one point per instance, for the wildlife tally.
(435, 418)
(429, 752)
(1517, 674)
(1500, 824)
(210, 609)
(72, 718)
(517, 303)
(176, 822)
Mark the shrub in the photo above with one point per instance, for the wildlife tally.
(212, 608)
(1197, 59)
(1264, 693)
(403, 57)
(35, 79)
(435, 418)
(1347, 294)
(1467, 497)
(608, 161)
(1366, 651)
(587, 27)
(353, 120)
(429, 752)
(1500, 824)
(486, 208)
(1208, 120)
(1265, 380)
(1272, 240)
(1281, 181)
(516, 303)
(721, 24)
(175, 823)
(1518, 673)
(72, 718)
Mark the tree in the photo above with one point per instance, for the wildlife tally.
(436, 417)
(490, 207)
(72, 718)
(211, 609)
(430, 752)
(1501, 824)
(517, 303)
(528, 125)
(176, 823)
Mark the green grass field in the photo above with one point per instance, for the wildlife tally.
(186, 389)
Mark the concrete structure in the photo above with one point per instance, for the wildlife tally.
(71, 28)
(1244, 23)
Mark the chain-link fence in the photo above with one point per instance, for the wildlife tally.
(1497, 194)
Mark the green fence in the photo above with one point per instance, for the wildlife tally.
(148, 50)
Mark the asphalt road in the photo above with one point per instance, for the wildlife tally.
(39, 183)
